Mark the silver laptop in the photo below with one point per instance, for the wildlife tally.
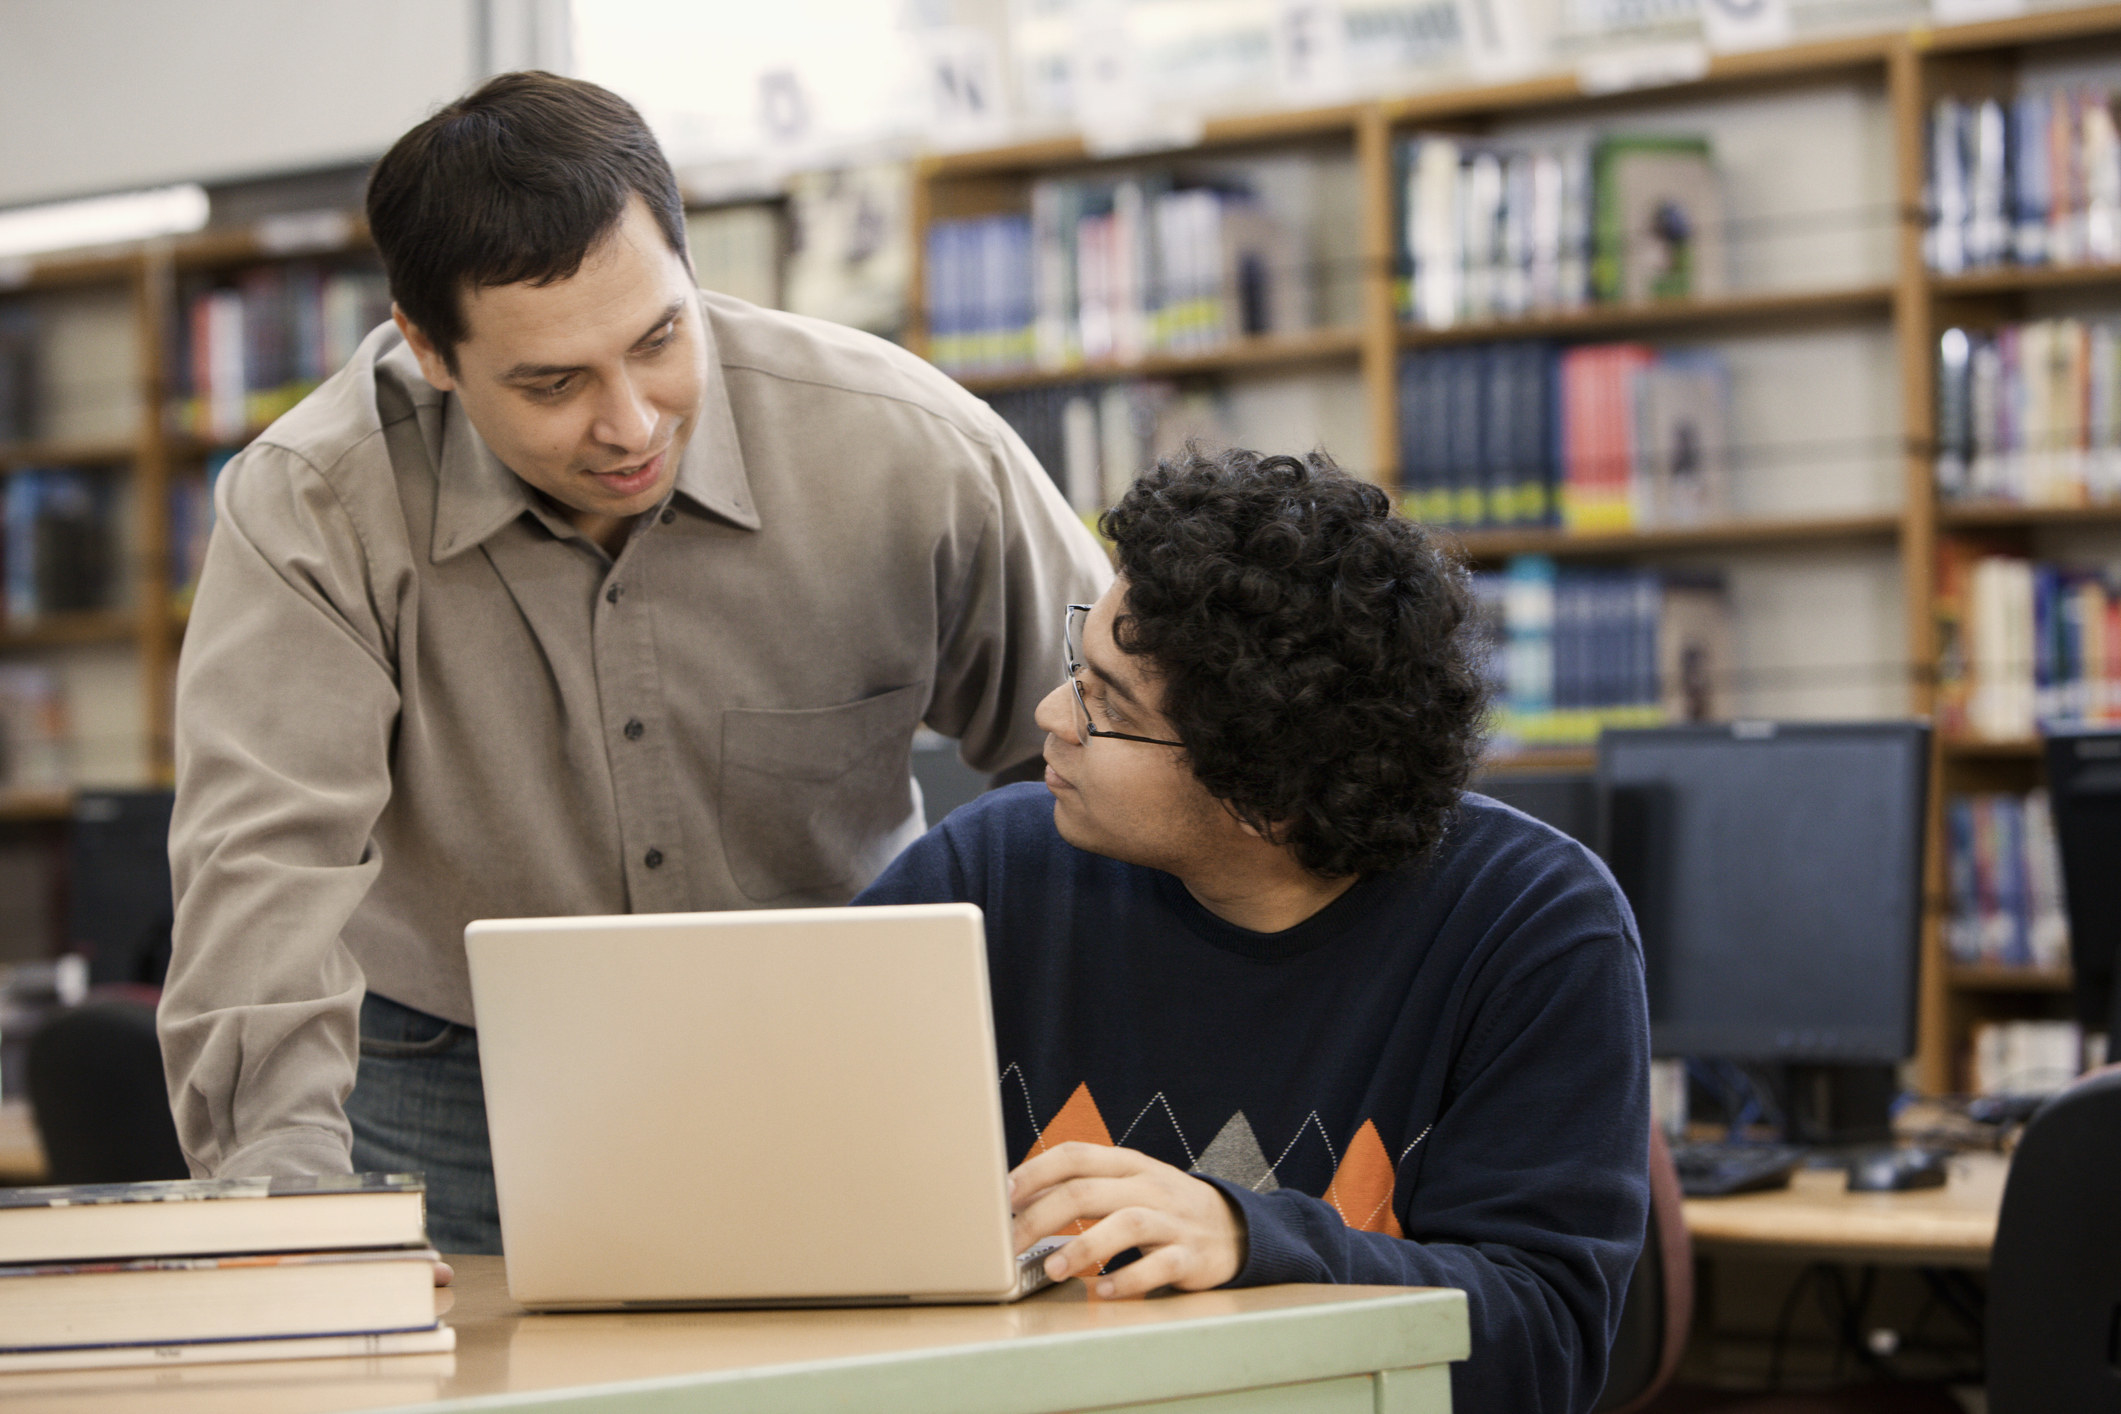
(787, 1107)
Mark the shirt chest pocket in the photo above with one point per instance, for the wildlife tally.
(816, 800)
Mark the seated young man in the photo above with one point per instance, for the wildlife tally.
(1275, 1000)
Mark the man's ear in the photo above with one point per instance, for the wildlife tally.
(433, 367)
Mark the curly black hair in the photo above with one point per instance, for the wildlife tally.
(1312, 647)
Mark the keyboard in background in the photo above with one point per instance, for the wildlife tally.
(1716, 1168)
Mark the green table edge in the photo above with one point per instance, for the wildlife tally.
(1071, 1370)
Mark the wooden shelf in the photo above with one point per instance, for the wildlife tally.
(2011, 280)
(35, 806)
(1728, 535)
(2048, 27)
(1266, 351)
(62, 269)
(1961, 977)
(319, 234)
(1861, 54)
(1538, 760)
(1702, 315)
(2006, 515)
(1974, 749)
(68, 630)
(67, 453)
(1237, 130)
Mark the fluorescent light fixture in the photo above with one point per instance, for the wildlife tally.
(102, 220)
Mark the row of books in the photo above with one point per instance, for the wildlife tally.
(33, 729)
(18, 374)
(1111, 271)
(1598, 437)
(1494, 230)
(1094, 439)
(210, 1270)
(59, 542)
(252, 344)
(2024, 644)
(2003, 871)
(1572, 651)
(2030, 413)
(2032, 180)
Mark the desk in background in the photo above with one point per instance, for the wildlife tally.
(1817, 1219)
(1343, 1349)
(21, 1152)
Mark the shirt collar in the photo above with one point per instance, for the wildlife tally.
(478, 494)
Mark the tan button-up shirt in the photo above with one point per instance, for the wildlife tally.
(412, 695)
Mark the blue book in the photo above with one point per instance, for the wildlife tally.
(2032, 189)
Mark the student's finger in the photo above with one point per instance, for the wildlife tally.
(1071, 1160)
(1060, 1207)
(443, 1275)
(1166, 1266)
(1123, 1229)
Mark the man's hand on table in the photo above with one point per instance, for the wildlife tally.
(1190, 1235)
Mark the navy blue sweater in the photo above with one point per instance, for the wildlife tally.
(1440, 1079)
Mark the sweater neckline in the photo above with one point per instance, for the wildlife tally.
(1313, 933)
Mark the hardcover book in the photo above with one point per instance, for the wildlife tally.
(88, 1222)
(171, 1300)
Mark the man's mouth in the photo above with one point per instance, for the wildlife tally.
(629, 480)
(1055, 780)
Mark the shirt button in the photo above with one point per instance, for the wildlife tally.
(634, 729)
(653, 859)
(668, 516)
(611, 595)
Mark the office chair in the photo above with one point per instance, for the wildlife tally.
(2054, 1280)
(97, 1094)
(1660, 1303)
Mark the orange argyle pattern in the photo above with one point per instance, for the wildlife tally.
(1361, 1190)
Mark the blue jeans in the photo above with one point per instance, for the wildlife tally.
(417, 1107)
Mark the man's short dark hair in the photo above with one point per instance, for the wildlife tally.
(514, 183)
(1312, 647)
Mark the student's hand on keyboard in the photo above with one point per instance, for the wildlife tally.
(1189, 1234)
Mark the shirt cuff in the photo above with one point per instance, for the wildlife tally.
(1275, 1251)
(289, 1153)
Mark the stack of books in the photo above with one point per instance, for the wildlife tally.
(2004, 872)
(206, 1270)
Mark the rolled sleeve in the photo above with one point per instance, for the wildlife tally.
(286, 704)
(1001, 635)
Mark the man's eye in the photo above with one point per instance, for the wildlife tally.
(551, 390)
(662, 340)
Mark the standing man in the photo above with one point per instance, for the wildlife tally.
(578, 590)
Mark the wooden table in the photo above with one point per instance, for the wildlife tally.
(1345, 1349)
(21, 1152)
(1816, 1218)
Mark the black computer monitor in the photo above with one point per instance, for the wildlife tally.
(2084, 785)
(1567, 800)
(1776, 874)
(119, 906)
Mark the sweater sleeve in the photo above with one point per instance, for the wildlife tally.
(926, 871)
(1530, 1192)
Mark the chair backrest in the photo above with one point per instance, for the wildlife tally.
(1660, 1301)
(2054, 1283)
(97, 1094)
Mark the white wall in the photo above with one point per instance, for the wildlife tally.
(98, 95)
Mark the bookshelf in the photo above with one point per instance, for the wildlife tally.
(1887, 548)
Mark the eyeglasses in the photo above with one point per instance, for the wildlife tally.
(1072, 658)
